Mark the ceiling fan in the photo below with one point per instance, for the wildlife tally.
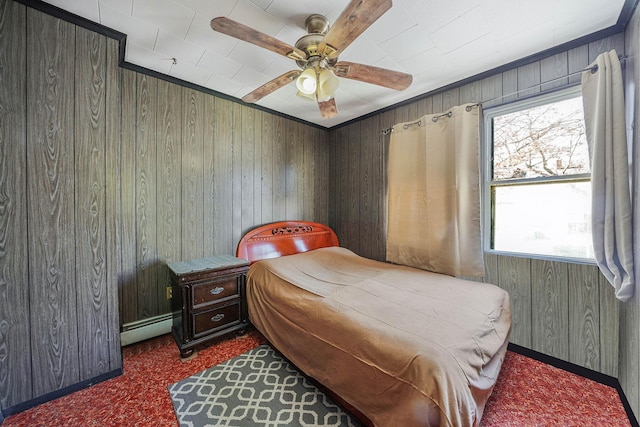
(316, 54)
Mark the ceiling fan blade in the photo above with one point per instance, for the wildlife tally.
(354, 19)
(242, 32)
(374, 75)
(271, 86)
(328, 108)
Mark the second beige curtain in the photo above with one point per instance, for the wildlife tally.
(611, 212)
(434, 193)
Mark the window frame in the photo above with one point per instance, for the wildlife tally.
(488, 184)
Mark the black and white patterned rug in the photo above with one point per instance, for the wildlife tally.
(257, 388)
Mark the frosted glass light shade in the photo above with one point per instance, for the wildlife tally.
(328, 83)
(307, 96)
(307, 81)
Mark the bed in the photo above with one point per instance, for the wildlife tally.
(396, 345)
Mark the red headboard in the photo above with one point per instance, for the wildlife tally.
(284, 238)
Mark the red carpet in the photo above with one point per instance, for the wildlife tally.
(528, 393)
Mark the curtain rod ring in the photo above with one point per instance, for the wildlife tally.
(406, 125)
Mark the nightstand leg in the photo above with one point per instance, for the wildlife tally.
(186, 353)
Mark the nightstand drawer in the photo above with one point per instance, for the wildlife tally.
(216, 319)
(215, 291)
(208, 299)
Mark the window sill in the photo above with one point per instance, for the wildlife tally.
(569, 260)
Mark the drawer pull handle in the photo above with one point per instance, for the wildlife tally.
(215, 291)
(218, 317)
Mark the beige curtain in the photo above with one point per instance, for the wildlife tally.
(433, 219)
(604, 114)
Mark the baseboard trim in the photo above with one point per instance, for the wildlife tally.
(145, 329)
(131, 333)
(579, 370)
(58, 393)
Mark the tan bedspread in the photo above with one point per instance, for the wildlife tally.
(403, 346)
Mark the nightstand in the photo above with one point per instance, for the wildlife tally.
(208, 299)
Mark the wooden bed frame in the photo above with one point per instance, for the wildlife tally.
(288, 238)
(284, 238)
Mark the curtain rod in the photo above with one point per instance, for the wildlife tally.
(593, 69)
(433, 119)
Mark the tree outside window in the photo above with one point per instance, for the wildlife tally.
(538, 183)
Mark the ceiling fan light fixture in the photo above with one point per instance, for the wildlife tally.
(307, 82)
(327, 85)
(316, 54)
(306, 96)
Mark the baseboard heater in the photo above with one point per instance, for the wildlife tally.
(144, 329)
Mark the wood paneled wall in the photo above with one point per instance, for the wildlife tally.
(58, 244)
(564, 310)
(198, 172)
(630, 312)
(105, 175)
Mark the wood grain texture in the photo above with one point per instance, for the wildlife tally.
(223, 178)
(386, 122)
(321, 177)
(131, 177)
(584, 315)
(113, 194)
(367, 190)
(309, 195)
(299, 167)
(550, 308)
(341, 160)
(609, 327)
(491, 272)
(437, 104)
(543, 319)
(125, 171)
(509, 86)
(15, 351)
(50, 128)
(471, 92)
(271, 86)
(128, 285)
(354, 19)
(616, 41)
(491, 89)
(251, 35)
(377, 205)
(90, 203)
(268, 131)
(209, 149)
(424, 106)
(192, 174)
(169, 198)
(578, 59)
(629, 333)
(554, 70)
(528, 77)
(374, 75)
(514, 275)
(247, 164)
(257, 167)
(354, 225)
(335, 183)
(236, 174)
(450, 98)
(291, 176)
(279, 169)
(145, 196)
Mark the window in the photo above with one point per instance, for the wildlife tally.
(537, 177)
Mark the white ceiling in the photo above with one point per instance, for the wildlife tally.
(439, 42)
